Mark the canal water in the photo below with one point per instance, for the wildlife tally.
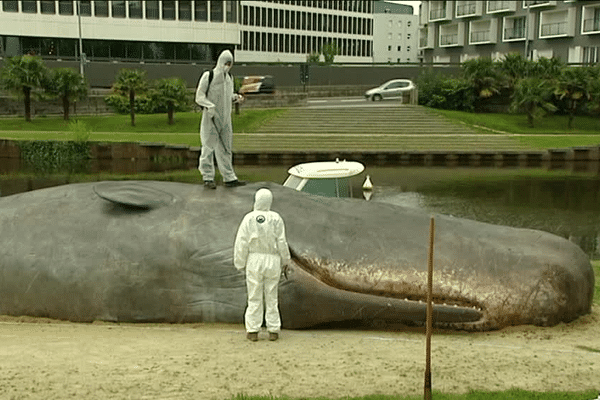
(562, 202)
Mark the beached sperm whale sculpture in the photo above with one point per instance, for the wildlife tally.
(162, 251)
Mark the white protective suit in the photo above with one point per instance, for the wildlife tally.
(261, 248)
(216, 131)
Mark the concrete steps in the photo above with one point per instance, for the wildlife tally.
(390, 120)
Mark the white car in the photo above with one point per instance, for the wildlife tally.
(390, 90)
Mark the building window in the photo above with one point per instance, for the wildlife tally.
(118, 9)
(168, 10)
(200, 10)
(263, 16)
(48, 7)
(251, 18)
(85, 8)
(65, 7)
(399, 48)
(10, 6)
(591, 55)
(184, 12)
(101, 8)
(216, 11)
(29, 7)
(245, 40)
(135, 9)
(152, 10)
(231, 11)
(270, 18)
(389, 48)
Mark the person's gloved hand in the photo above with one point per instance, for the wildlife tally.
(209, 111)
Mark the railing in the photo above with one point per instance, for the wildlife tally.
(533, 3)
(512, 33)
(437, 14)
(480, 36)
(591, 25)
(558, 28)
(466, 9)
(447, 40)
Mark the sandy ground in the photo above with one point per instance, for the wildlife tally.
(41, 359)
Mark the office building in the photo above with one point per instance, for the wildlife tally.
(395, 33)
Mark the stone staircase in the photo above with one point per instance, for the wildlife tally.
(399, 119)
(373, 128)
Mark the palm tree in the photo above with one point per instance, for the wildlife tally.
(514, 67)
(532, 95)
(22, 74)
(484, 75)
(171, 93)
(594, 73)
(128, 83)
(574, 87)
(67, 84)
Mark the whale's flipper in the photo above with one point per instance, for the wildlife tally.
(134, 194)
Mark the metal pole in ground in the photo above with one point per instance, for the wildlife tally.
(427, 395)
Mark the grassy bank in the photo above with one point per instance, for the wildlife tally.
(550, 132)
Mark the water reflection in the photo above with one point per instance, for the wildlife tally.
(561, 202)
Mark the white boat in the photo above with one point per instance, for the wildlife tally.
(325, 178)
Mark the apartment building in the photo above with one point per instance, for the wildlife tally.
(458, 30)
(395, 33)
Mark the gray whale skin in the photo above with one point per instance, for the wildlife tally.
(144, 251)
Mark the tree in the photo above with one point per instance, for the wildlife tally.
(330, 50)
(514, 67)
(533, 96)
(128, 83)
(594, 73)
(23, 74)
(573, 86)
(171, 93)
(66, 84)
(484, 75)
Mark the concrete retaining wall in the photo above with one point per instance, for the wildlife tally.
(137, 157)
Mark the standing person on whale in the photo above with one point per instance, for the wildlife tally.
(215, 95)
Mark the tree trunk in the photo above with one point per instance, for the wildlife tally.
(132, 106)
(66, 105)
(170, 113)
(237, 108)
(27, 94)
(530, 111)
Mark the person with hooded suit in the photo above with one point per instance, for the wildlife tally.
(216, 131)
(261, 249)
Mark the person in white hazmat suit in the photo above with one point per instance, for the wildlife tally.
(216, 131)
(261, 248)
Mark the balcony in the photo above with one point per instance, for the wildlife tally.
(501, 6)
(515, 29)
(452, 35)
(468, 9)
(556, 24)
(538, 3)
(483, 32)
(439, 11)
(591, 20)
(425, 39)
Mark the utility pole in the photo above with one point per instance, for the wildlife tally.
(81, 55)
(527, 16)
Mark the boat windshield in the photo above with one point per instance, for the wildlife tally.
(329, 187)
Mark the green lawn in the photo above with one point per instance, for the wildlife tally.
(517, 123)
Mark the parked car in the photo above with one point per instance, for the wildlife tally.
(257, 84)
(393, 89)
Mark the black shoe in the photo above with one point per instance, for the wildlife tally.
(235, 183)
(252, 336)
(210, 185)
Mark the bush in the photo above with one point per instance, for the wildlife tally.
(143, 104)
(445, 93)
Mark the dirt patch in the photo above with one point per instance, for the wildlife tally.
(45, 359)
